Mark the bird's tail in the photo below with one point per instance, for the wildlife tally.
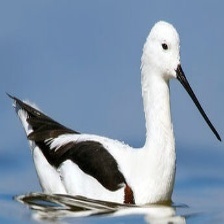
(22, 113)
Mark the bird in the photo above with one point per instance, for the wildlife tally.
(97, 167)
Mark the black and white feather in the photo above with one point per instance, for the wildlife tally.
(70, 162)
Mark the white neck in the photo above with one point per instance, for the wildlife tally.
(157, 158)
(156, 100)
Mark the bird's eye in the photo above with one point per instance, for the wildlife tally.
(164, 46)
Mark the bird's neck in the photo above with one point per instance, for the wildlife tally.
(156, 100)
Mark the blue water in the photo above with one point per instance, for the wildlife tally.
(198, 194)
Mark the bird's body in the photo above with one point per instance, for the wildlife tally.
(69, 162)
(110, 159)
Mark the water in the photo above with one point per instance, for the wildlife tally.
(198, 195)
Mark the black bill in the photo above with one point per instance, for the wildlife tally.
(183, 80)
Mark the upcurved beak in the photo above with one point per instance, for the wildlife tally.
(183, 80)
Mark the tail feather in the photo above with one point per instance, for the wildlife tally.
(41, 127)
(22, 114)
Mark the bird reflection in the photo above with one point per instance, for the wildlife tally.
(58, 207)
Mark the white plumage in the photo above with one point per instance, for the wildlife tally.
(68, 162)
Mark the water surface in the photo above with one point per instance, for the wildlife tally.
(198, 195)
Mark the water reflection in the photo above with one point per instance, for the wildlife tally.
(58, 207)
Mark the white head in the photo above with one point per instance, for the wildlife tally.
(161, 52)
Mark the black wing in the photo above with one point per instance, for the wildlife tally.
(90, 156)
(93, 159)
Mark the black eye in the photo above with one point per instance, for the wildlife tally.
(165, 47)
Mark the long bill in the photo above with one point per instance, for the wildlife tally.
(183, 80)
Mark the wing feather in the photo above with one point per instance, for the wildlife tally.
(91, 156)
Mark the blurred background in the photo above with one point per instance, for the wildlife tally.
(79, 61)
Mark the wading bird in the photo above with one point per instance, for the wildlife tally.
(69, 162)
